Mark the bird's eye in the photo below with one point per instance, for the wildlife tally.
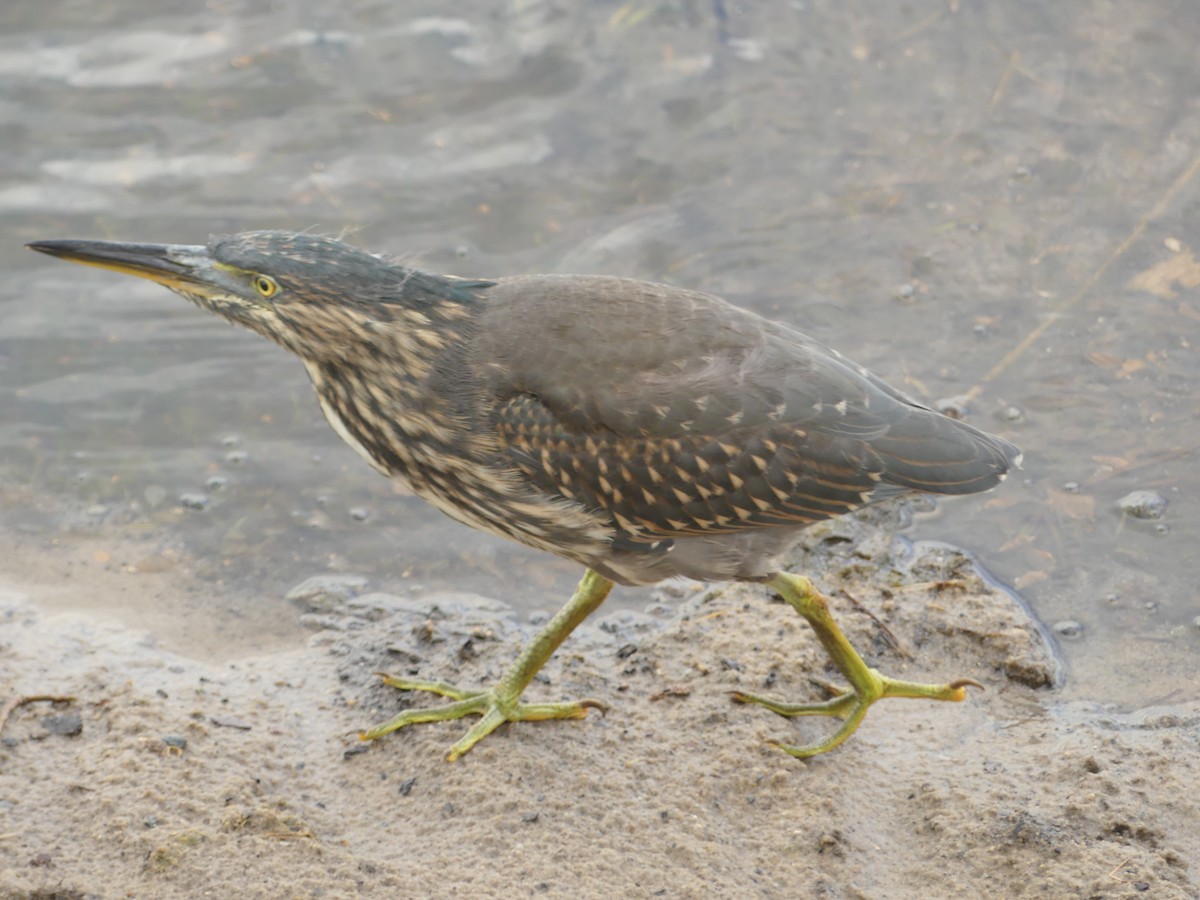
(266, 285)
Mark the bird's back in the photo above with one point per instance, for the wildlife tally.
(704, 434)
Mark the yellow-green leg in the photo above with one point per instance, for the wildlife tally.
(866, 684)
(502, 703)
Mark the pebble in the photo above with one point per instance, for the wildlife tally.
(1013, 414)
(904, 292)
(236, 457)
(216, 482)
(69, 724)
(1143, 505)
(193, 501)
(360, 513)
(1068, 628)
(326, 593)
(178, 741)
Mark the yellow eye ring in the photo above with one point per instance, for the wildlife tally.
(266, 285)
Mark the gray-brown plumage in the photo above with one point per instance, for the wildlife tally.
(639, 429)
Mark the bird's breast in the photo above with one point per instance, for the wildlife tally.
(438, 459)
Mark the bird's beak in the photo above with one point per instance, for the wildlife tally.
(177, 266)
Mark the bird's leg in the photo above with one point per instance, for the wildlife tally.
(502, 703)
(866, 684)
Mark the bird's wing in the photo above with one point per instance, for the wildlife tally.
(680, 414)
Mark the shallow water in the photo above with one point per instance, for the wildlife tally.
(995, 201)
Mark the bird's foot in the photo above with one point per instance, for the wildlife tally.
(866, 684)
(495, 707)
(852, 705)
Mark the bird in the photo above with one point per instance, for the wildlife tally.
(640, 430)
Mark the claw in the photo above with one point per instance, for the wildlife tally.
(965, 683)
(502, 703)
(866, 684)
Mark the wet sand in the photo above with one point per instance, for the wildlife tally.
(225, 773)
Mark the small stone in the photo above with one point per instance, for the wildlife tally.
(1013, 414)
(236, 457)
(1022, 172)
(326, 593)
(216, 482)
(360, 513)
(1068, 628)
(1071, 487)
(1031, 673)
(530, 818)
(193, 501)
(904, 292)
(68, 724)
(150, 821)
(1196, 623)
(1143, 505)
(175, 741)
(230, 440)
(406, 786)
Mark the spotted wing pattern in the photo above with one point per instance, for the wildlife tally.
(691, 484)
(678, 414)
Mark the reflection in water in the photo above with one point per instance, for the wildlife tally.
(928, 188)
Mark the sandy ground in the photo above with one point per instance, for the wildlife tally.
(176, 776)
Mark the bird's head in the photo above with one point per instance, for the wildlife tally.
(318, 297)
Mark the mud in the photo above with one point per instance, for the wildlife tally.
(199, 775)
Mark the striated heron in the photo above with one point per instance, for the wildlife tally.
(641, 430)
